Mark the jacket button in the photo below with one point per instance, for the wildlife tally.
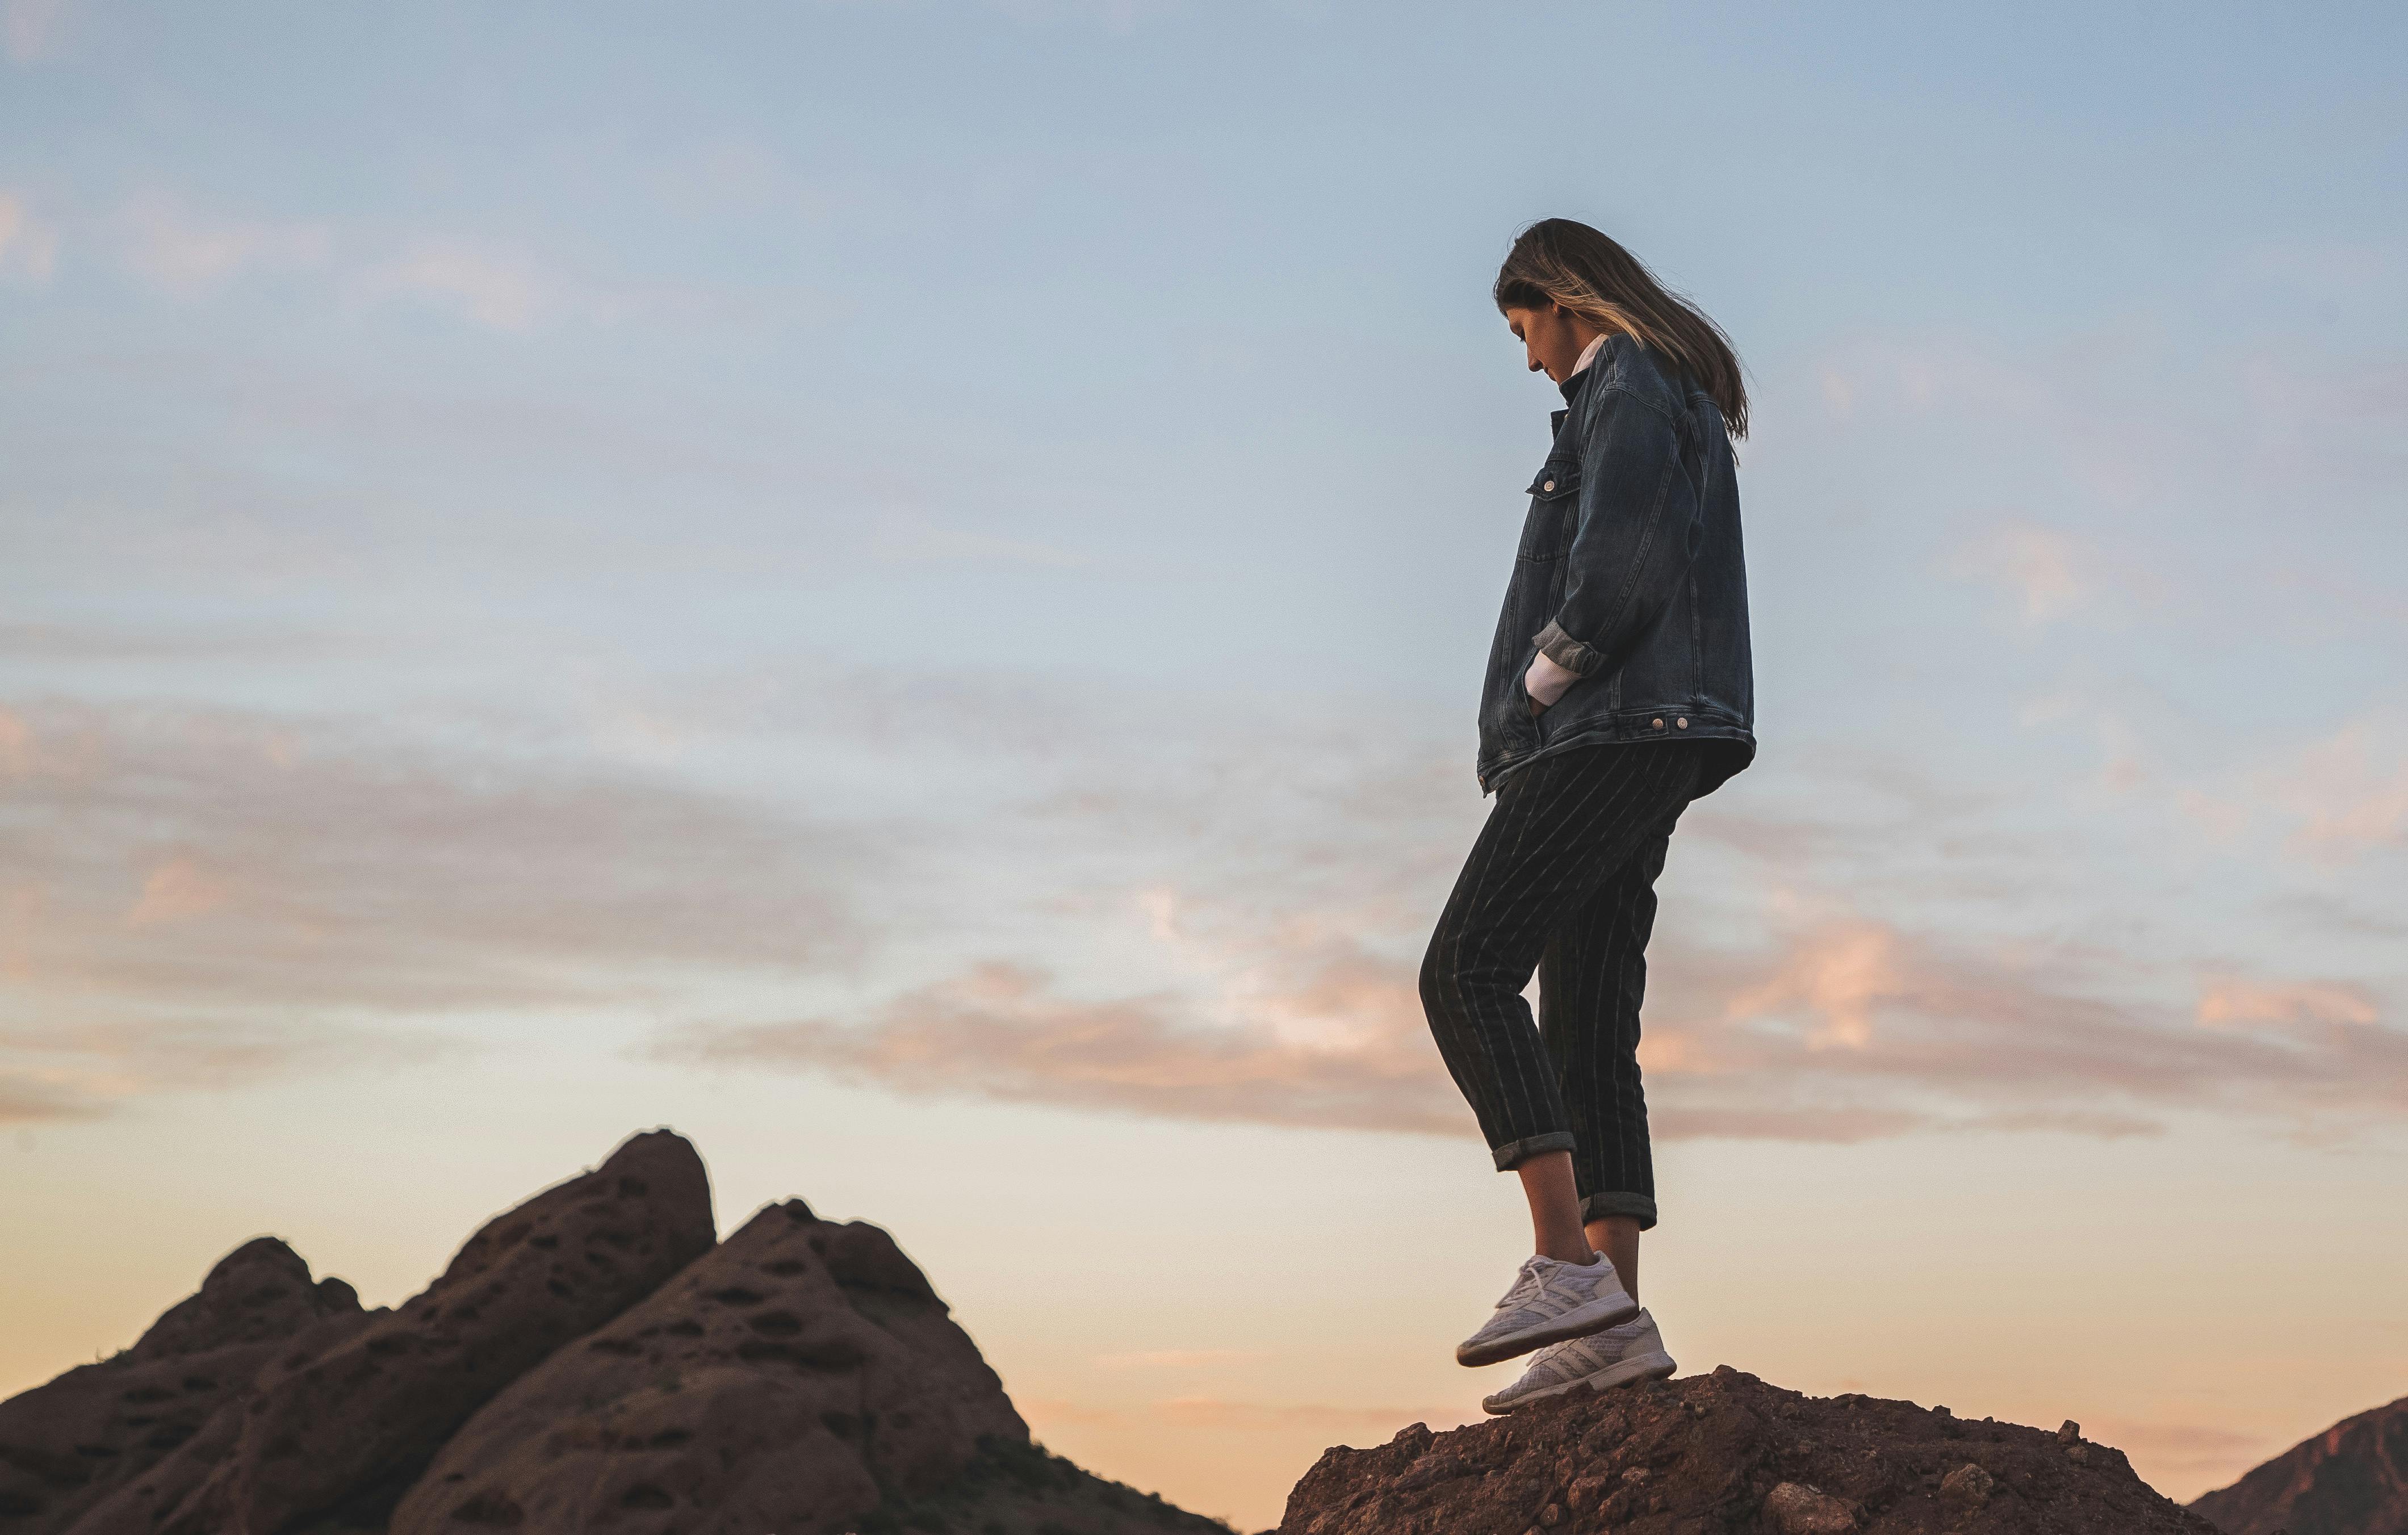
(1659, 725)
(1683, 722)
(1548, 486)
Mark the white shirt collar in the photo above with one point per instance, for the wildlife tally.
(1588, 353)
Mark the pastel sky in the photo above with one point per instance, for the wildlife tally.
(901, 588)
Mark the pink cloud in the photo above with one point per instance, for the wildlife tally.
(1849, 1031)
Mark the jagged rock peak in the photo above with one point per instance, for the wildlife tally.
(258, 1292)
(73, 1444)
(591, 1359)
(793, 1380)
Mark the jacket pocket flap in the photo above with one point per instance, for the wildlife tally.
(1557, 478)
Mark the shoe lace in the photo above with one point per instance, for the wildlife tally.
(1526, 1281)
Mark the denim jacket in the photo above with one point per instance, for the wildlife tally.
(1629, 574)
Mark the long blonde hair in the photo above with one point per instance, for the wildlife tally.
(1564, 262)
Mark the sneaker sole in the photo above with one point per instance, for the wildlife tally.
(1580, 1322)
(1645, 1367)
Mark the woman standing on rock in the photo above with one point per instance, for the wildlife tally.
(1619, 689)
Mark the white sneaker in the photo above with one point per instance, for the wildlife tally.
(1549, 1302)
(1632, 1352)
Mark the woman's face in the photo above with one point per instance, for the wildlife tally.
(1552, 338)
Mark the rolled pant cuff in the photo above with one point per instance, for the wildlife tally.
(1596, 1207)
(1514, 1153)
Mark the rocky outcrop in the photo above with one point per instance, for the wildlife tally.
(339, 1436)
(99, 1428)
(2350, 1479)
(790, 1380)
(1727, 1454)
(592, 1359)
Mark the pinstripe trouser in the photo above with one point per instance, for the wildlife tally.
(1562, 882)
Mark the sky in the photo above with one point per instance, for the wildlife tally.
(902, 588)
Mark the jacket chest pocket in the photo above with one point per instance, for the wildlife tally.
(1554, 503)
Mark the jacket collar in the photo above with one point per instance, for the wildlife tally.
(1573, 386)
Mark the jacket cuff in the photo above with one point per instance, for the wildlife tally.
(1565, 651)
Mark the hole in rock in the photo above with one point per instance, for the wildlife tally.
(490, 1508)
(644, 1495)
(835, 1355)
(735, 1296)
(777, 1325)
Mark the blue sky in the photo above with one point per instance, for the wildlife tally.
(902, 587)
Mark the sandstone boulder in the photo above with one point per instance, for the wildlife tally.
(798, 1378)
(804, 1377)
(336, 1439)
(1727, 1454)
(98, 1428)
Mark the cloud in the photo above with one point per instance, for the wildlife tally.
(1001, 1031)
(2046, 571)
(83, 1072)
(1841, 981)
(188, 253)
(30, 27)
(177, 888)
(1846, 1031)
(151, 645)
(503, 290)
(195, 895)
(2230, 1001)
(29, 247)
(2347, 800)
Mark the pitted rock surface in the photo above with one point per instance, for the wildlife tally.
(1727, 1454)
(68, 1446)
(338, 1439)
(792, 1381)
(804, 1367)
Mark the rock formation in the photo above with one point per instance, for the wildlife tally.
(792, 1377)
(2350, 1479)
(1725, 1454)
(100, 1427)
(591, 1360)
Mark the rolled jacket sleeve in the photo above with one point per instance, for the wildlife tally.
(1633, 538)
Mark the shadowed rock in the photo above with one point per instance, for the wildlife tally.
(589, 1361)
(2350, 1479)
(792, 1381)
(99, 1428)
(1727, 1454)
(338, 1439)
